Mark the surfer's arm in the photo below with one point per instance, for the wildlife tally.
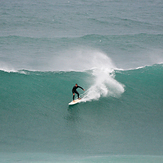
(81, 88)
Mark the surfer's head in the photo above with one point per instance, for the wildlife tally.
(76, 84)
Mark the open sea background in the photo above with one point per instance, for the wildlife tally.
(113, 49)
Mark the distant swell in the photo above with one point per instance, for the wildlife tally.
(88, 36)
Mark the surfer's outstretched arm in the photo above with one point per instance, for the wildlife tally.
(81, 88)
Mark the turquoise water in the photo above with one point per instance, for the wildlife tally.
(35, 116)
(113, 49)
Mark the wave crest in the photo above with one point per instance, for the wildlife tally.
(104, 85)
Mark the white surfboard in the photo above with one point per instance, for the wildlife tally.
(74, 102)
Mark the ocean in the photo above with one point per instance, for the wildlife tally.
(113, 49)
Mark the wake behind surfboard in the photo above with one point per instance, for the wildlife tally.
(74, 102)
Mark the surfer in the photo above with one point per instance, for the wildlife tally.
(75, 91)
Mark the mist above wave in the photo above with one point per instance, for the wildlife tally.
(79, 59)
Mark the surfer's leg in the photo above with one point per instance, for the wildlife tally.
(73, 96)
(77, 94)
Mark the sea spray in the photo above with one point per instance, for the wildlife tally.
(6, 67)
(80, 59)
(102, 70)
(104, 85)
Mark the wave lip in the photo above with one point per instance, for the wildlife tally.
(7, 68)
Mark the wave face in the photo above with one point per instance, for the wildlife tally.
(119, 114)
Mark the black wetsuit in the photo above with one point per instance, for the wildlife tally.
(75, 91)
